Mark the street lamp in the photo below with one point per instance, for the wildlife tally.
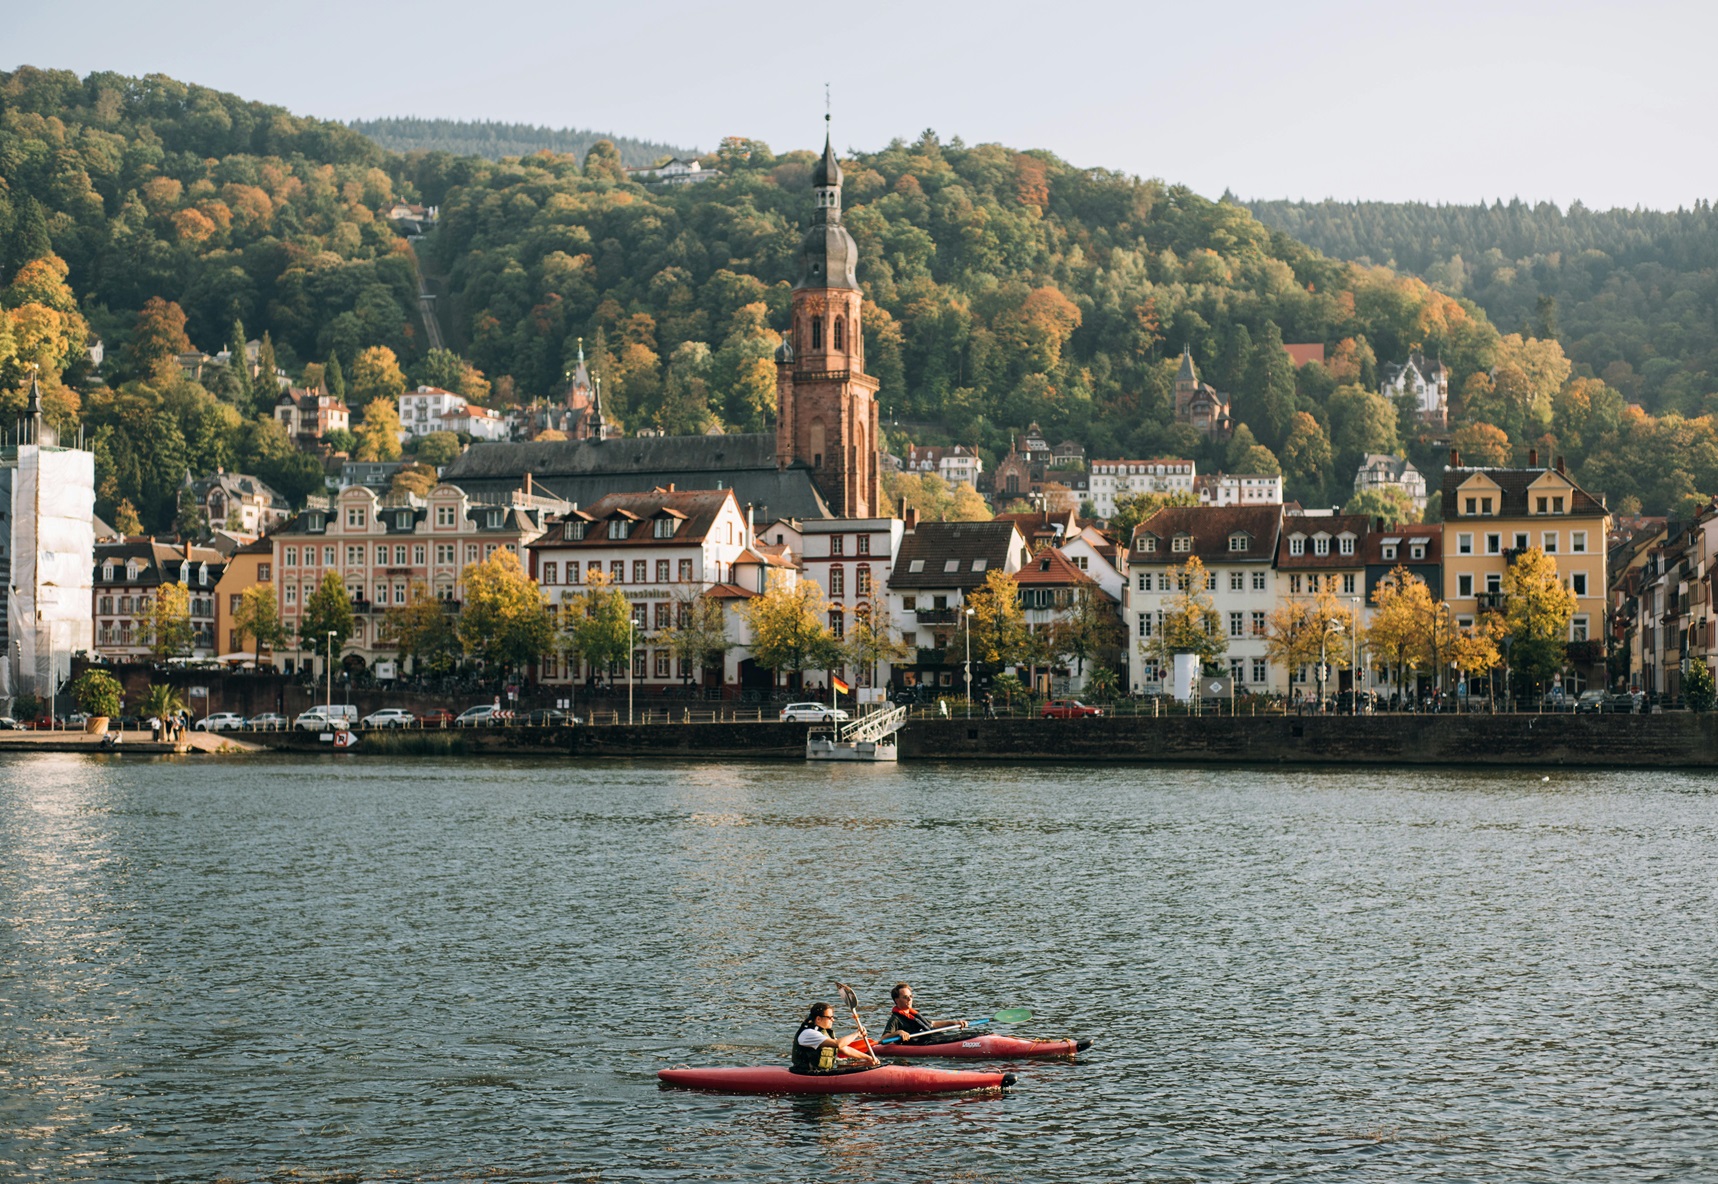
(1354, 666)
(1323, 640)
(969, 663)
(330, 668)
(630, 622)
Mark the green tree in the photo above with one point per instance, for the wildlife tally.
(1087, 628)
(166, 625)
(328, 611)
(161, 701)
(504, 621)
(872, 641)
(423, 629)
(189, 521)
(699, 637)
(1134, 508)
(258, 618)
(597, 625)
(333, 378)
(789, 634)
(157, 338)
(1536, 616)
(1306, 458)
(1387, 502)
(238, 363)
(438, 448)
(266, 387)
(97, 693)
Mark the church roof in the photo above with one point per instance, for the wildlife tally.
(827, 171)
(584, 471)
(1187, 372)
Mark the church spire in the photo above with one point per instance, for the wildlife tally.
(830, 256)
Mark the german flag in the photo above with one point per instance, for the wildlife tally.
(840, 685)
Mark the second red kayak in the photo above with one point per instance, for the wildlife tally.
(886, 1079)
(989, 1046)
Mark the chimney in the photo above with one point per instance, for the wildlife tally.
(1560, 468)
(910, 519)
(1533, 458)
(671, 487)
(751, 525)
(187, 550)
(527, 484)
(1455, 459)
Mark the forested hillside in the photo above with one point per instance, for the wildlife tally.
(494, 141)
(1631, 294)
(1002, 288)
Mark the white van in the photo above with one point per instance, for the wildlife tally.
(326, 715)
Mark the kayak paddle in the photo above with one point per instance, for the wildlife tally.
(1013, 1015)
(849, 997)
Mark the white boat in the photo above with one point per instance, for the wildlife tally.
(868, 738)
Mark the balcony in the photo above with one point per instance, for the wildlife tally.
(1492, 602)
(938, 616)
(932, 657)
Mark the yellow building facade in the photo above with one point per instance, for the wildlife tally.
(1493, 515)
(250, 565)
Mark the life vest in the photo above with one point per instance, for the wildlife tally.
(905, 1019)
(811, 1060)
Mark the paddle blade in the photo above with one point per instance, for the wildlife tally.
(1013, 1015)
(848, 997)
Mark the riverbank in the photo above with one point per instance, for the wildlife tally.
(1680, 740)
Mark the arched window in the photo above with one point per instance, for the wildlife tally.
(816, 332)
(839, 326)
(816, 441)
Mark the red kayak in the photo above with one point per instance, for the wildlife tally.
(885, 1079)
(988, 1047)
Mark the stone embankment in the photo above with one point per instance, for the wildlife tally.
(1676, 740)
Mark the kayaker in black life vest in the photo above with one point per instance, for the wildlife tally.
(815, 1048)
(907, 1023)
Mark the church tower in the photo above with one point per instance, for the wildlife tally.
(826, 405)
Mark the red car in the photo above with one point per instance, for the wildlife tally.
(441, 717)
(1067, 709)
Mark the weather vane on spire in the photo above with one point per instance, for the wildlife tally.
(825, 102)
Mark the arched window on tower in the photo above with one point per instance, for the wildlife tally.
(839, 325)
(816, 332)
(816, 442)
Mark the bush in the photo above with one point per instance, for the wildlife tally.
(1697, 688)
(98, 693)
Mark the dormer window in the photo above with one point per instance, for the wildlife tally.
(1147, 542)
(1345, 544)
(1181, 544)
(1297, 544)
(495, 518)
(184, 573)
(203, 575)
(665, 527)
(354, 516)
(1387, 551)
(619, 528)
(404, 520)
(130, 570)
(107, 571)
(573, 532)
(1321, 544)
(1240, 541)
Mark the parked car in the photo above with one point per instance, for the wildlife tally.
(221, 721)
(388, 717)
(327, 715)
(483, 715)
(8, 724)
(1626, 701)
(268, 721)
(76, 719)
(1067, 709)
(441, 717)
(548, 717)
(812, 713)
(1591, 703)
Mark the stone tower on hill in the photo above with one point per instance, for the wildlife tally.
(826, 415)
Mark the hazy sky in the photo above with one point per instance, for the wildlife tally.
(1605, 103)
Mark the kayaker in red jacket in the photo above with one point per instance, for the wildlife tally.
(815, 1047)
(906, 1022)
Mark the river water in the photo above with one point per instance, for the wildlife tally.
(335, 968)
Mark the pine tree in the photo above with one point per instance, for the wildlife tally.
(239, 364)
(333, 378)
(267, 387)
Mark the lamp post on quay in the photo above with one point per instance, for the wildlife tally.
(968, 622)
(330, 665)
(1354, 666)
(1323, 666)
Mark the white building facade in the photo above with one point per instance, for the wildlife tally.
(1111, 479)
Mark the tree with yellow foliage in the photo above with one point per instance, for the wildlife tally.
(1190, 622)
(1319, 632)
